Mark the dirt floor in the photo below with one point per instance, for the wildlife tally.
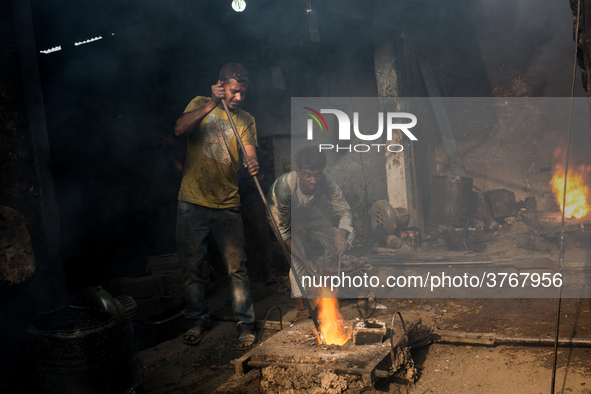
(503, 369)
(172, 367)
(166, 365)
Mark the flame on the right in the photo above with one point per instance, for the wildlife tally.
(577, 192)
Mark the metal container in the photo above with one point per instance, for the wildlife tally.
(388, 218)
(451, 200)
(77, 350)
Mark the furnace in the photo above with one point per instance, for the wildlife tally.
(297, 346)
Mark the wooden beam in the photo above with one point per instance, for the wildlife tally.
(33, 96)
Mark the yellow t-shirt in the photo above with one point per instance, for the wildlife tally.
(212, 160)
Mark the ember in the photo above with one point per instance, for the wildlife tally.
(331, 320)
(577, 192)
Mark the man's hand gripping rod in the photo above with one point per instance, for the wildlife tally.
(274, 225)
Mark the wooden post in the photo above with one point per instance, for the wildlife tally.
(387, 83)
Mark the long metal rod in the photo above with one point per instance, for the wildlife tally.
(168, 319)
(492, 339)
(562, 233)
(274, 226)
(392, 262)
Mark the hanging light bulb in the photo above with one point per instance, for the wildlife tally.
(238, 5)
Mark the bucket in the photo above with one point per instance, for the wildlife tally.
(77, 350)
(451, 200)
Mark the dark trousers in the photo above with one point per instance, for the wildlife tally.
(259, 257)
(194, 224)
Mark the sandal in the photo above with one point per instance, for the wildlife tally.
(194, 335)
(246, 340)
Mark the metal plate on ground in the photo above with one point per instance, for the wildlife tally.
(297, 345)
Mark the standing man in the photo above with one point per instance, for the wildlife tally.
(293, 199)
(209, 203)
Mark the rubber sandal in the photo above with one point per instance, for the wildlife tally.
(246, 340)
(194, 335)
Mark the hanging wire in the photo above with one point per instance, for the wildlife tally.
(562, 233)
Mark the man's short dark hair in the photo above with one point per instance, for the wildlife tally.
(234, 71)
(311, 158)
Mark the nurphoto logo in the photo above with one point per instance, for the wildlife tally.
(344, 124)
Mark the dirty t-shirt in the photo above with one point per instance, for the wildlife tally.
(287, 202)
(210, 178)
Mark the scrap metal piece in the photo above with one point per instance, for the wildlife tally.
(502, 203)
(368, 331)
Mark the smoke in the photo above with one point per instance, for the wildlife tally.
(517, 48)
(108, 101)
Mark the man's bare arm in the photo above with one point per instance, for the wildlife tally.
(341, 240)
(253, 165)
(190, 121)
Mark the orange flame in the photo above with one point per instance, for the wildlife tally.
(576, 191)
(331, 320)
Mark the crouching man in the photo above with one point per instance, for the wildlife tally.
(293, 200)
